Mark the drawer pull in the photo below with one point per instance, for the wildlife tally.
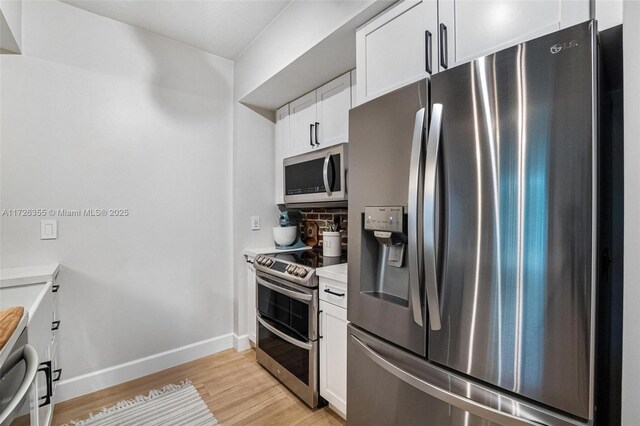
(45, 367)
(59, 373)
(55, 325)
(326, 290)
(55, 288)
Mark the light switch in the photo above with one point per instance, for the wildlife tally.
(48, 229)
(255, 223)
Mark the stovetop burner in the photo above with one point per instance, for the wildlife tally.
(296, 266)
(312, 258)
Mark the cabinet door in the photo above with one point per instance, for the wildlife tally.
(391, 49)
(282, 145)
(333, 356)
(251, 302)
(474, 28)
(334, 103)
(302, 124)
(40, 337)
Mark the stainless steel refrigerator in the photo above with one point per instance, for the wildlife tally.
(472, 241)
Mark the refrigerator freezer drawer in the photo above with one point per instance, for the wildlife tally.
(389, 386)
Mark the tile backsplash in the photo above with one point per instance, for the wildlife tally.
(324, 216)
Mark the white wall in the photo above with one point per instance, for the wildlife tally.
(299, 27)
(254, 194)
(98, 114)
(631, 316)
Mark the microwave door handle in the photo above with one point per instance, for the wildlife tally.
(415, 169)
(429, 215)
(311, 135)
(325, 174)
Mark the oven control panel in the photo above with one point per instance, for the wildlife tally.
(288, 270)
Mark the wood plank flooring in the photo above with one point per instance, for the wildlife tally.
(237, 390)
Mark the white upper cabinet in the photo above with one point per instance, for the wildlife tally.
(414, 39)
(334, 102)
(321, 118)
(282, 146)
(302, 124)
(396, 48)
(470, 28)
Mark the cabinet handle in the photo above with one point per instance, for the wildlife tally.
(444, 47)
(311, 135)
(427, 51)
(320, 324)
(55, 325)
(45, 367)
(55, 288)
(59, 374)
(317, 127)
(326, 290)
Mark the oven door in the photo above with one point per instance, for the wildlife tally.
(286, 338)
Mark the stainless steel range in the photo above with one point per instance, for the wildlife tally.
(287, 319)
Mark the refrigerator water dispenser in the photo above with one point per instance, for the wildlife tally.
(383, 251)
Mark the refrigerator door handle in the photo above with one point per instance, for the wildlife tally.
(325, 174)
(415, 169)
(443, 395)
(429, 212)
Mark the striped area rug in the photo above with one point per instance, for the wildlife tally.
(171, 405)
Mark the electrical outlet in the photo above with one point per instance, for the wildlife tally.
(255, 223)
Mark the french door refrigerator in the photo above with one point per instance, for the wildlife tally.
(472, 239)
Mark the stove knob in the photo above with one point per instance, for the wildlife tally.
(303, 273)
(269, 262)
(289, 269)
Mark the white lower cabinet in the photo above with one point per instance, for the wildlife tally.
(333, 351)
(251, 296)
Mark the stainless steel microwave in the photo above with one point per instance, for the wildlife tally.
(318, 177)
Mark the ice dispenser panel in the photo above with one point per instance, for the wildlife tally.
(384, 240)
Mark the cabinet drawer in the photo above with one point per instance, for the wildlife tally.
(333, 292)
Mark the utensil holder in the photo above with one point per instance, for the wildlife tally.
(331, 244)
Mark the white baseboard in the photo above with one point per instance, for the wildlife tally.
(241, 343)
(101, 379)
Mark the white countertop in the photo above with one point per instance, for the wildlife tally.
(334, 272)
(24, 275)
(253, 252)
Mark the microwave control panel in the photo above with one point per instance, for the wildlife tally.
(386, 218)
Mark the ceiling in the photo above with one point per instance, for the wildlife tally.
(222, 27)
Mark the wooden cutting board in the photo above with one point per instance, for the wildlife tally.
(9, 320)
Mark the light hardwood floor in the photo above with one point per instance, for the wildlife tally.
(237, 390)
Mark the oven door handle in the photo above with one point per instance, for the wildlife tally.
(292, 294)
(283, 336)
